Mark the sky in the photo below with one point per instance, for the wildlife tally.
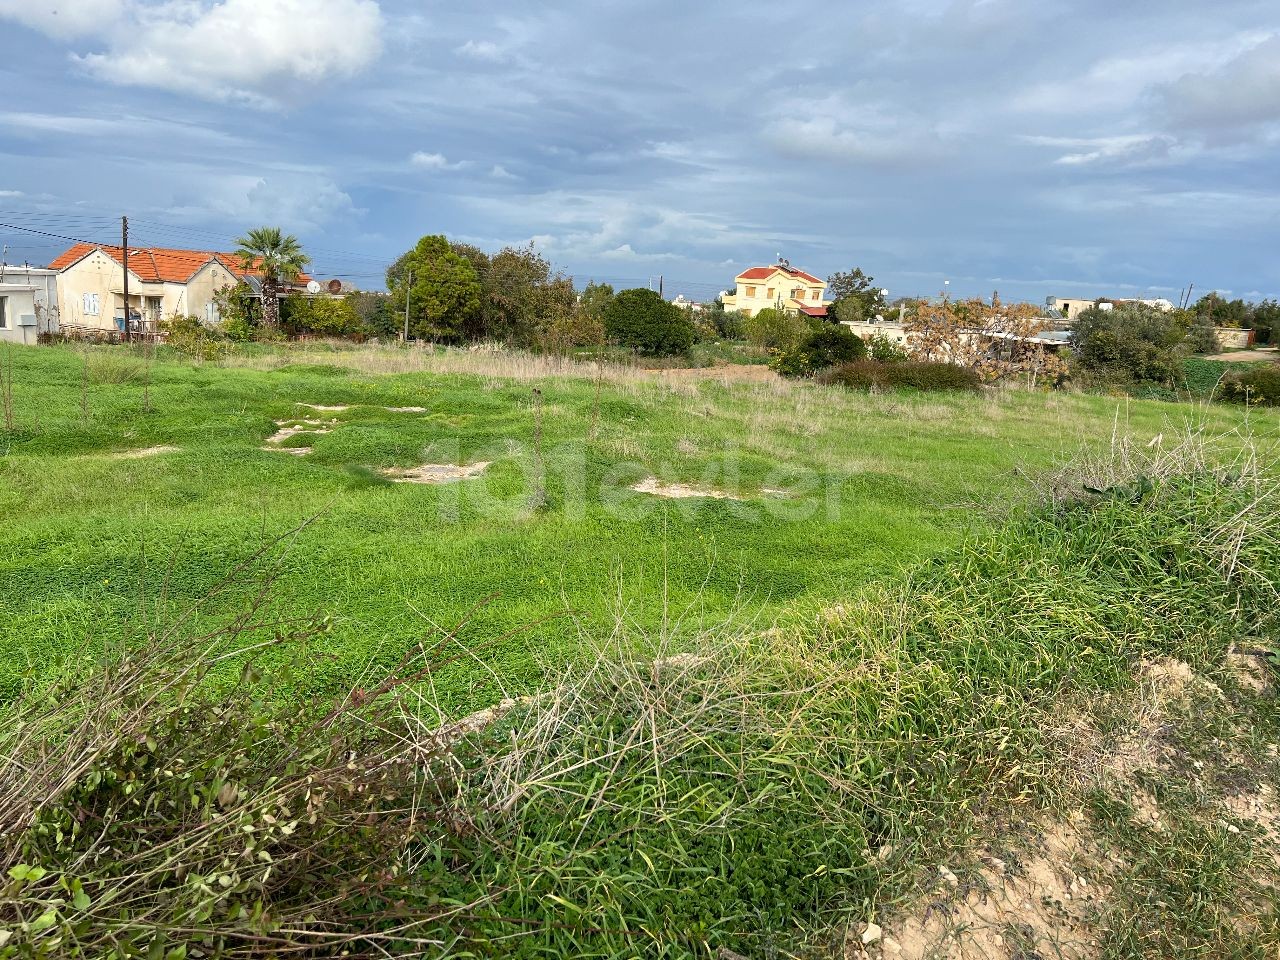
(1035, 148)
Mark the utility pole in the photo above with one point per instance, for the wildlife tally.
(660, 285)
(408, 292)
(124, 243)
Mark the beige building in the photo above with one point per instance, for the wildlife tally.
(1070, 307)
(162, 282)
(780, 285)
(28, 303)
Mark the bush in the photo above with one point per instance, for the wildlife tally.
(1253, 385)
(886, 351)
(191, 338)
(1133, 343)
(824, 348)
(330, 315)
(728, 324)
(772, 329)
(643, 321)
(914, 375)
(1201, 337)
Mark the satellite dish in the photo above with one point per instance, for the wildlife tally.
(313, 287)
(335, 285)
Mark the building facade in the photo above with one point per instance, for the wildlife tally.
(162, 282)
(28, 303)
(780, 286)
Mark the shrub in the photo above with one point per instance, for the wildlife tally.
(914, 375)
(1254, 385)
(772, 329)
(728, 324)
(187, 335)
(1132, 343)
(331, 315)
(1201, 337)
(643, 321)
(885, 350)
(824, 348)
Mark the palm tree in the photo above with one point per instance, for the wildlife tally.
(277, 259)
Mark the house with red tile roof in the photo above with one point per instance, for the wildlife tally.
(780, 286)
(162, 282)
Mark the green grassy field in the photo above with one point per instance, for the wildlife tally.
(95, 541)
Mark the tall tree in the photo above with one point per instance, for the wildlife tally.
(277, 259)
(445, 294)
(854, 296)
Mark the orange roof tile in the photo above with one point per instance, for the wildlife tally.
(159, 264)
(763, 273)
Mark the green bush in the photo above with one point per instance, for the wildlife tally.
(772, 329)
(823, 348)
(914, 375)
(332, 315)
(886, 351)
(1134, 343)
(642, 320)
(1253, 385)
(191, 338)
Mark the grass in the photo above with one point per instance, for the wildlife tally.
(675, 796)
(97, 544)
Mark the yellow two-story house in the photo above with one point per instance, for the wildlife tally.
(780, 286)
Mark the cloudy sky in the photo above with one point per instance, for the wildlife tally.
(1034, 147)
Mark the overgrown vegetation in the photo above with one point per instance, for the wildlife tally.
(1259, 385)
(909, 374)
(827, 346)
(744, 791)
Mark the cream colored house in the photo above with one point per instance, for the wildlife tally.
(780, 285)
(162, 282)
(28, 303)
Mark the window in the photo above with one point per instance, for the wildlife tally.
(91, 306)
(797, 293)
(751, 291)
(769, 295)
(4, 313)
(816, 296)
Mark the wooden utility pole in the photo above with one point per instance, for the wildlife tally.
(124, 243)
(408, 292)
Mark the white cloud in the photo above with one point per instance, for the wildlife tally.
(499, 172)
(261, 52)
(435, 161)
(11, 194)
(1128, 150)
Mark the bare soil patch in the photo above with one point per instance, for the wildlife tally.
(335, 408)
(405, 409)
(293, 428)
(144, 452)
(681, 491)
(436, 472)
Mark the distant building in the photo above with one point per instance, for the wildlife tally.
(162, 282)
(1069, 307)
(685, 304)
(779, 286)
(28, 303)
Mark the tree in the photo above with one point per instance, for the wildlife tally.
(333, 315)
(996, 340)
(445, 294)
(854, 297)
(1202, 337)
(277, 259)
(642, 320)
(1131, 343)
(373, 310)
(774, 329)
(1266, 321)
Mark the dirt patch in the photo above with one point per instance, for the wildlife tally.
(292, 428)
(681, 491)
(1247, 356)
(405, 409)
(336, 408)
(436, 472)
(1035, 902)
(1249, 670)
(292, 451)
(143, 452)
